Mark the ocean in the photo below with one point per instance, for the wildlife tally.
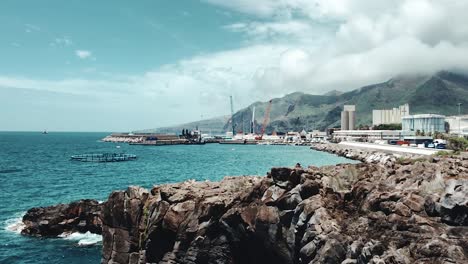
(35, 170)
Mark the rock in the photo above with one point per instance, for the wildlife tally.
(273, 194)
(308, 252)
(383, 211)
(280, 174)
(81, 216)
(414, 202)
(431, 205)
(290, 200)
(454, 203)
(309, 188)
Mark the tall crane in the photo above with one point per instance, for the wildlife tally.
(232, 117)
(252, 123)
(265, 121)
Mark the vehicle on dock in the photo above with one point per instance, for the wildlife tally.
(103, 157)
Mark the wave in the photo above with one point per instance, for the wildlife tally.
(84, 239)
(5, 171)
(15, 224)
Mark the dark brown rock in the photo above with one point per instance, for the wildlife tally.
(381, 211)
(81, 216)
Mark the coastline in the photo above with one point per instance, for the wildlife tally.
(366, 155)
(378, 210)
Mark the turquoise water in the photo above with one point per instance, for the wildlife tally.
(35, 170)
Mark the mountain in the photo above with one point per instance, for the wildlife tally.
(334, 92)
(438, 94)
(213, 125)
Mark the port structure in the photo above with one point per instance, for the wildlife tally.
(265, 121)
(232, 117)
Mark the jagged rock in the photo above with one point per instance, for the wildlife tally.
(81, 216)
(454, 203)
(382, 211)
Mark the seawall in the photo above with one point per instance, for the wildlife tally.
(365, 154)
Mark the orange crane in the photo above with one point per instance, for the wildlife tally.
(265, 121)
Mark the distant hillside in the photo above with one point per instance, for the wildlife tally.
(438, 94)
(213, 125)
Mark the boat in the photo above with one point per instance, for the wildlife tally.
(45, 132)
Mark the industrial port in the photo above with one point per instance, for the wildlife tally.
(393, 127)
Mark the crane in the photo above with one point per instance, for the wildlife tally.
(232, 117)
(265, 121)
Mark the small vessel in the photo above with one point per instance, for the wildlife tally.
(103, 157)
(45, 132)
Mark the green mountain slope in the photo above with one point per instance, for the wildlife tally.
(438, 94)
(213, 125)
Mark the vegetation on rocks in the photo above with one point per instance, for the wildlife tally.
(458, 143)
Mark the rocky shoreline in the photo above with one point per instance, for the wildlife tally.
(368, 156)
(388, 209)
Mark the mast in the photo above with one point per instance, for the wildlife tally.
(252, 124)
(232, 117)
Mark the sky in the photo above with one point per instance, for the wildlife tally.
(114, 65)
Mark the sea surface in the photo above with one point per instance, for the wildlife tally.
(35, 170)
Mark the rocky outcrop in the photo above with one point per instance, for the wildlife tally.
(404, 211)
(81, 216)
(362, 213)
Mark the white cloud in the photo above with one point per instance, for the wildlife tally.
(62, 41)
(295, 45)
(30, 28)
(83, 54)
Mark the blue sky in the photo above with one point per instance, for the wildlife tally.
(123, 37)
(124, 65)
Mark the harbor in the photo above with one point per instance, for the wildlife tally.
(393, 130)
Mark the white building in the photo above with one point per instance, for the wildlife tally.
(348, 117)
(427, 123)
(458, 124)
(370, 135)
(389, 116)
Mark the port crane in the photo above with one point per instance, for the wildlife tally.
(232, 117)
(265, 121)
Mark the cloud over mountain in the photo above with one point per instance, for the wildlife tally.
(314, 46)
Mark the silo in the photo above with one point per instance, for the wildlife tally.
(344, 120)
(351, 120)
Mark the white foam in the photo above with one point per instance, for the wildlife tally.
(85, 239)
(15, 224)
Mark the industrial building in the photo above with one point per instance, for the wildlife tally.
(458, 124)
(370, 135)
(389, 116)
(427, 123)
(348, 117)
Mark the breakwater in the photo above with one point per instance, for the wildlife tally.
(373, 212)
(365, 155)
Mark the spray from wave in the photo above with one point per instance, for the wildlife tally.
(15, 224)
(83, 239)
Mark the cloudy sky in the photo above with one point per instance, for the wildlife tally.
(116, 65)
